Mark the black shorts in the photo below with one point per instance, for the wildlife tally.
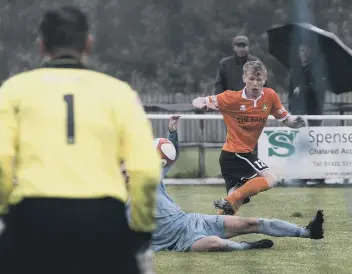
(238, 168)
(67, 236)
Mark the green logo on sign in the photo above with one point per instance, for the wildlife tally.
(281, 142)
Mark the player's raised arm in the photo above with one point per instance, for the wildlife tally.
(173, 136)
(8, 143)
(200, 103)
(205, 103)
(141, 160)
(215, 102)
(281, 114)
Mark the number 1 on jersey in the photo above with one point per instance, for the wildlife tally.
(70, 118)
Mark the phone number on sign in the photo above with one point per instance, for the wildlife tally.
(333, 164)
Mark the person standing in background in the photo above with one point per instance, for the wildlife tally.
(307, 88)
(229, 74)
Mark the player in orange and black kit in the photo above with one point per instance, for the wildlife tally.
(245, 114)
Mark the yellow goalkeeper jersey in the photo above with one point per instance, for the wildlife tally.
(64, 131)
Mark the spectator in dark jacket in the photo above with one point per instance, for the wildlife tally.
(229, 75)
(307, 86)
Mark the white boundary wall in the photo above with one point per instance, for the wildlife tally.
(217, 181)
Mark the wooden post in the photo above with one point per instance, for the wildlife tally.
(342, 122)
(201, 148)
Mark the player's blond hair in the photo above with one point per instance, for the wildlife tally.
(255, 68)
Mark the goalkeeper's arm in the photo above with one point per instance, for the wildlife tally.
(142, 164)
(8, 143)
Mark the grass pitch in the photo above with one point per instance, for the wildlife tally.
(289, 255)
(187, 165)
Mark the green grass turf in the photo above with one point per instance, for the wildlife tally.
(289, 255)
(187, 165)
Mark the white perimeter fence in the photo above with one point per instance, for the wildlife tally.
(323, 152)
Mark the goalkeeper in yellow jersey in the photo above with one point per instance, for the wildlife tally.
(64, 129)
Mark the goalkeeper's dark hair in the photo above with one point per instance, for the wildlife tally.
(65, 27)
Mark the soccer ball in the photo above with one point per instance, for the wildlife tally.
(167, 151)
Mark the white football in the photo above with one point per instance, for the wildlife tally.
(167, 151)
